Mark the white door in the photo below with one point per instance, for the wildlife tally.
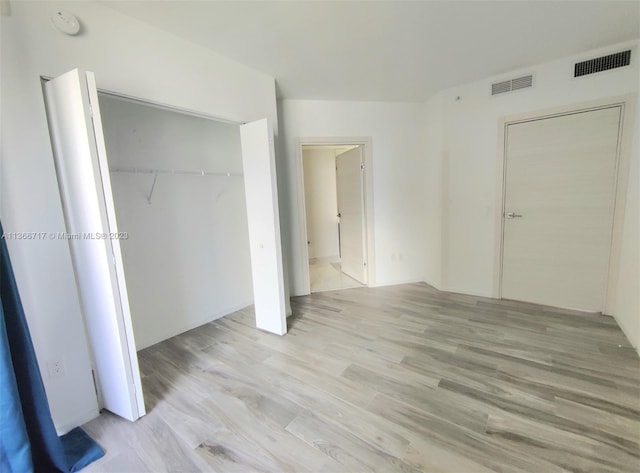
(558, 212)
(261, 192)
(75, 127)
(349, 182)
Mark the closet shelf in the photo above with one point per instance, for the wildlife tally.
(182, 172)
(187, 172)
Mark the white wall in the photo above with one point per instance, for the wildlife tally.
(321, 203)
(128, 57)
(467, 119)
(186, 257)
(435, 188)
(397, 174)
(627, 301)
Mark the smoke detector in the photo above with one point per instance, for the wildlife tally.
(65, 22)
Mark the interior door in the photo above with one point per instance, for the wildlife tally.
(349, 184)
(558, 213)
(75, 126)
(261, 192)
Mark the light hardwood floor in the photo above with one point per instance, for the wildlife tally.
(402, 378)
(329, 277)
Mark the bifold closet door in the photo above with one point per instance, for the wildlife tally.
(73, 114)
(560, 184)
(259, 169)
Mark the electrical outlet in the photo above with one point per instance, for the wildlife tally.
(56, 369)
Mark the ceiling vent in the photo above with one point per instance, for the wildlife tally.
(604, 63)
(510, 85)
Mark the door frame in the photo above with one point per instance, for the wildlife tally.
(623, 160)
(367, 181)
(162, 106)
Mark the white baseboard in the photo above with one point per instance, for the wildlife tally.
(626, 334)
(432, 284)
(396, 283)
(465, 292)
(80, 419)
(141, 345)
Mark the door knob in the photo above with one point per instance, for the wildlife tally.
(513, 215)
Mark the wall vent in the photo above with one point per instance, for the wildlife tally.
(513, 84)
(603, 63)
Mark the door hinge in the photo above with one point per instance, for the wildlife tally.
(362, 166)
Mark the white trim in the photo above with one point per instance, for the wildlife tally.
(366, 144)
(160, 105)
(399, 282)
(627, 104)
(433, 285)
(627, 335)
(75, 421)
(195, 324)
(466, 292)
(167, 107)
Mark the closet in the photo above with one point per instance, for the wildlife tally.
(175, 223)
(179, 200)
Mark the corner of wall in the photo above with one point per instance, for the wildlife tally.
(432, 148)
(627, 298)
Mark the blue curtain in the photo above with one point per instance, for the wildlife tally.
(28, 438)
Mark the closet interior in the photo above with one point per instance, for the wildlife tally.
(180, 205)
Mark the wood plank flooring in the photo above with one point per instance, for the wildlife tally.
(393, 379)
(329, 277)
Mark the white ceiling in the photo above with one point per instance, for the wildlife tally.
(389, 50)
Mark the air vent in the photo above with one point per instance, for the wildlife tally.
(501, 87)
(522, 82)
(513, 84)
(604, 63)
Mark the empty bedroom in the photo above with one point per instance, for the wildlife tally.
(320, 236)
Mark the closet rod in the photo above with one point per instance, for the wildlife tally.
(174, 171)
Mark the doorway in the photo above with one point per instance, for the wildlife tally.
(560, 181)
(335, 215)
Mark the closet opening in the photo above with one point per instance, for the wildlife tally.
(338, 238)
(178, 190)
